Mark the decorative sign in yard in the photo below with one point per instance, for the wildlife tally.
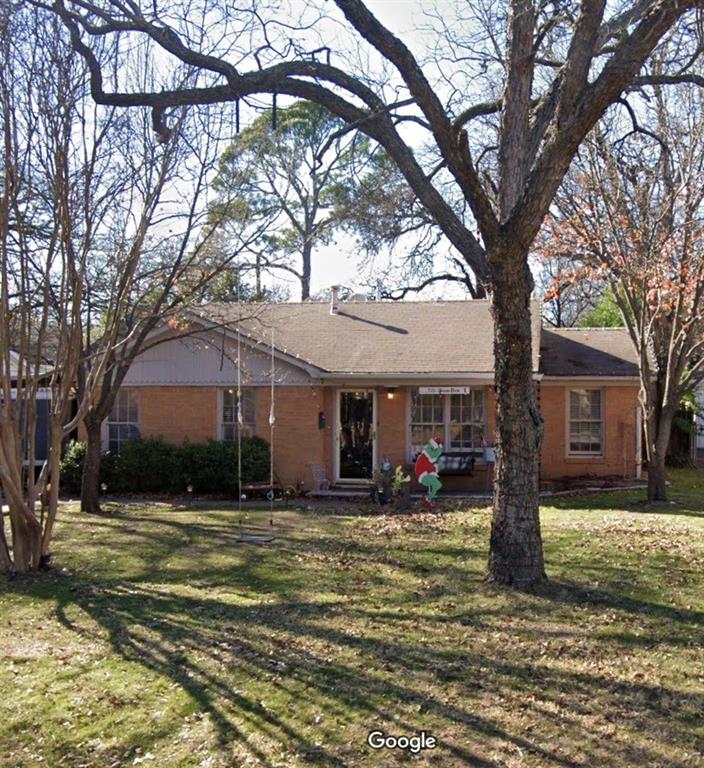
(426, 469)
(444, 390)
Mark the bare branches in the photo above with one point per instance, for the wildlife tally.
(515, 116)
(632, 218)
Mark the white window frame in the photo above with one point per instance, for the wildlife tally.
(409, 421)
(446, 427)
(568, 424)
(480, 424)
(249, 427)
(337, 428)
(107, 422)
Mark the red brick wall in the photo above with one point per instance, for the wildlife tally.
(178, 413)
(391, 425)
(298, 441)
(619, 455)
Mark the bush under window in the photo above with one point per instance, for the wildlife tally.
(151, 465)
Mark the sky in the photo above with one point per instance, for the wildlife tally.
(340, 263)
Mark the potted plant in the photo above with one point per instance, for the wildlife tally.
(401, 488)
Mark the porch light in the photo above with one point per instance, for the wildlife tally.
(103, 487)
(390, 393)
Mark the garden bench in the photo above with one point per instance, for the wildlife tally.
(456, 463)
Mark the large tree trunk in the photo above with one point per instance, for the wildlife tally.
(516, 549)
(659, 442)
(90, 480)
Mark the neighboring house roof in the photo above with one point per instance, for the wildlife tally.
(377, 337)
(587, 352)
(44, 369)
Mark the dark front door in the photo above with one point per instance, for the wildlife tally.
(356, 435)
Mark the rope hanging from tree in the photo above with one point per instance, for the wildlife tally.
(252, 538)
(272, 424)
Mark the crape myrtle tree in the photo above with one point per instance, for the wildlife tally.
(97, 251)
(507, 96)
(295, 169)
(154, 267)
(47, 121)
(566, 301)
(632, 215)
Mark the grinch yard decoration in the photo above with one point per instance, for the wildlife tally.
(426, 469)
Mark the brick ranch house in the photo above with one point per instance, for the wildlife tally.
(357, 381)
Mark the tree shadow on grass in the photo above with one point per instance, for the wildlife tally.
(164, 632)
(242, 631)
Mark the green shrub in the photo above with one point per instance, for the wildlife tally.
(151, 465)
(147, 465)
(255, 460)
(72, 466)
(209, 467)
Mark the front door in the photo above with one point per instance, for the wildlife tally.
(356, 434)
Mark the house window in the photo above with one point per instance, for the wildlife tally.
(460, 420)
(229, 414)
(123, 421)
(467, 421)
(427, 419)
(586, 422)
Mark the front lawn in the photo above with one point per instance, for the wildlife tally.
(158, 640)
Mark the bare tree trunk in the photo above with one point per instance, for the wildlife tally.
(258, 277)
(657, 452)
(306, 255)
(90, 480)
(53, 486)
(26, 538)
(516, 550)
(657, 486)
(5, 558)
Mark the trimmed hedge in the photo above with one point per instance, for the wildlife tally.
(151, 465)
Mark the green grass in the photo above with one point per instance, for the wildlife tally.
(157, 640)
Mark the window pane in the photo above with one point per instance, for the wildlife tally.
(462, 436)
(467, 420)
(123, 421)
(131, 402)
(229, 424)
(427, 419)
(595, 405)
(248, 406)
(586, 423)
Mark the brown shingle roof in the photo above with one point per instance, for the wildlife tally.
(378, 337)
(587, 352)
